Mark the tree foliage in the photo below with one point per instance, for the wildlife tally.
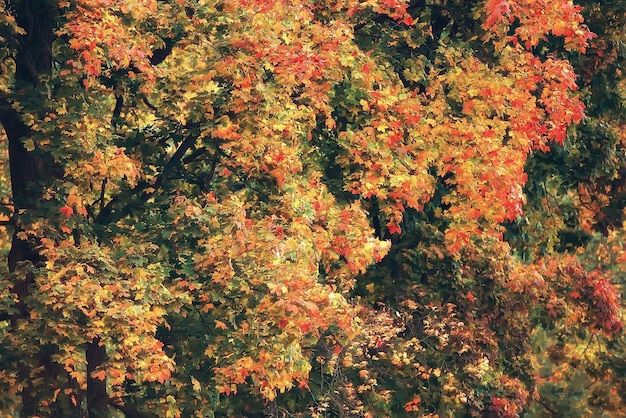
(306, 208)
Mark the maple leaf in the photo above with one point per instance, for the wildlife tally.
(394, 228)
(66, 211)
(99, 374)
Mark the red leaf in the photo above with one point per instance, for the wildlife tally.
(305, 326)
(67, 211)
(394, 228)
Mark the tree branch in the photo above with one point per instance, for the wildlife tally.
(159, 55)
(106, 211)
(150, 105)
(119, 104)
(194, 155)
(102, 189)
(176, 158)
(216, 158)
(547, 407)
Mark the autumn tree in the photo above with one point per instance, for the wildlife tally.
(364, 208)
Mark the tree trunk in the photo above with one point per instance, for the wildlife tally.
(22, 171)
(97, 398)
(33, 58)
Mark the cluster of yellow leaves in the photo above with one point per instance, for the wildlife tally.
(84, 296)
(84, 144)
(101, 159)
(266, 266)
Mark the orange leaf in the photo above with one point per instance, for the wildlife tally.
(163, 375)
(100, 374)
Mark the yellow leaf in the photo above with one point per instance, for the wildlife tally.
(29, 145)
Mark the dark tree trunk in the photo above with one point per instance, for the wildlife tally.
(97, 398)
(33, 58)
(25, 168)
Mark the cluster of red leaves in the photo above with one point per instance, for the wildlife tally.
(504, 408)
(101, 34)
(603, 298)
(536, 19)
(598, 296)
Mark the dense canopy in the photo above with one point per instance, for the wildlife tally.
(312, 208)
